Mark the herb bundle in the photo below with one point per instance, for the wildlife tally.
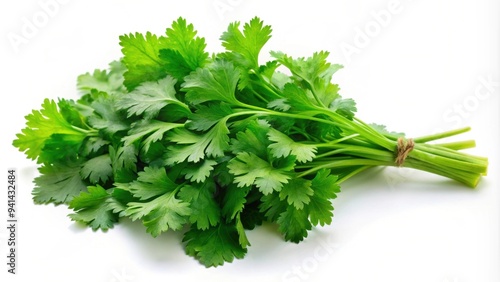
(215, 144)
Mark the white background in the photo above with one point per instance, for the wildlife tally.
(414, 66)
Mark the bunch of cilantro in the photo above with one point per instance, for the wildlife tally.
(213, 145)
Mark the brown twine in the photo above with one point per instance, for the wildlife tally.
(404, 148)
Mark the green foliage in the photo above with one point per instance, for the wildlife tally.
(215, 245)
(58, 183)
(150, 97)
(150, 57)
(246, 45)
(103, 80)
(213, 145)
(249, 170)
(48, 125)
(91, 208)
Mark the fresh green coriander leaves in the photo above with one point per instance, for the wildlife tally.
(213, 145)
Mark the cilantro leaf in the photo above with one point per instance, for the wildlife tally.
(174, 63)
(285, 146)
(294, 224)
(123, 162)
(106, 116)
(247, 44)
(272, 206)
(325, 189)
(242, 236)
(71, 113)
(141, 59)
(118, 202)
(97, 170)
(249, 169)
(91, 208)
(103, 80)
(199, 172)
(207, 116)
(58, 183)
(93, 145)
(297, 192)
(158, 215)
(149, 57)
(234, 200)
(314, 73)
(153, 129)
(279, 104)
(193, 147)
(155, 156)
(252, 140)
(345, 107)
(216, 82)
(185, 52)
(215, 245)
(205, 210)
(383, 129)
(159, 208)
(297, 99)
(61, 147)
(251, 216)
(41, 125)
(151, 182)
(150, 97)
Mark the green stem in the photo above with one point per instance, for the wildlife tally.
(469, 179)
(434, 159)
(443, 158)
(259, 110)
(459, 145)
(336, 141)
(432, 137)
(352, 173)
(341, 164)
(88, 132)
